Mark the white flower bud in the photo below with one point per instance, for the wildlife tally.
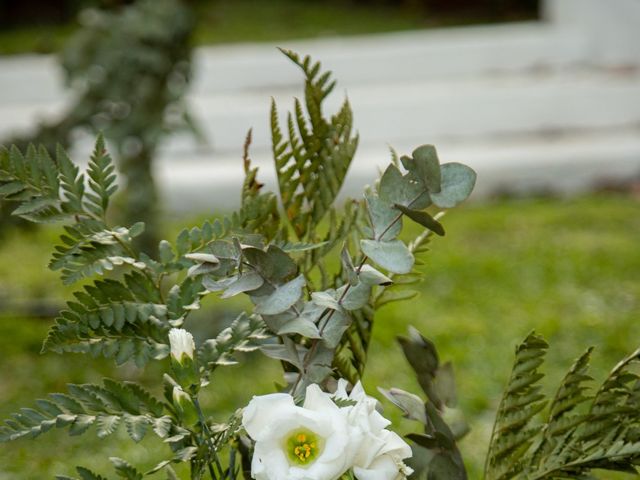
(181, 343)
(185, 406)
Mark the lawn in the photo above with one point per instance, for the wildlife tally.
(568, 269)
(228, 21)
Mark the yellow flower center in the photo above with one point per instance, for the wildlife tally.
(302, 446)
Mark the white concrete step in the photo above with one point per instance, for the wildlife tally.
(395, 57)
(566, 163)
(433, 111)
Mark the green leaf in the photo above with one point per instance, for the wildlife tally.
(102, 180)
(301, 326)
(86, 474)
(288, 352)
(393, 256)
(273, 265)
(243, 335)
(136, 229)
(137, 426)
(426, 167)
(371, 276)
(124, 469)
(202, 257)
(347, 266)
(404, 190)
(11, 188)
(512, 431)
(411, 405)
(355, 297)
(423, 218)
(385, 220)
(443, 466)
(246, 282)
(283, 298)
(312, 162)
(336, 325)
(166, 252)
(445, 385)
(107, 424)
(458, 181)
(326, 299)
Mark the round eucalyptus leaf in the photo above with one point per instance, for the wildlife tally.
(427, 167)
(385, 220)
(458, 181)
(283, 297)
(393, 256)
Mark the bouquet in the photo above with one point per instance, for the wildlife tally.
(315, 273)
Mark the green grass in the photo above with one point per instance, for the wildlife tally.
(569, 269)
(225, 21)
(229, 21)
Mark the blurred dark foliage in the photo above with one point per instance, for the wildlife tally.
(35, 12)
(45, 12)
(465, 10)
(128, 68)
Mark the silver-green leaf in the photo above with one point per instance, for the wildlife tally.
(458, 181)
(283, 298)
(393, 256)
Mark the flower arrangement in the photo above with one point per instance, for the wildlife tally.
(310, 313)
(321, 439)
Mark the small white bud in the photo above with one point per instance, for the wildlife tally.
(185, 406)
(181, 343)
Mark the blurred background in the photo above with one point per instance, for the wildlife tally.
(541, 97)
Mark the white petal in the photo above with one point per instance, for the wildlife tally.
(321, 470)
(358, 393)
(294, 419)
(263, 410)
(318, 400)
(341, 391)
(335, 447)
(394, 445)
(377, 421)
(370, 448)
(181, 342)
(269, 462)
(384, 468)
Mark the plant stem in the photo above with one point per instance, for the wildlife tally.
(207, 433)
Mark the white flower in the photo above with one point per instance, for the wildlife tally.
(181, 343)
(297, 443)
(378, 452)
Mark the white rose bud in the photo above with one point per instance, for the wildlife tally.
(182, 359)
(181, 343)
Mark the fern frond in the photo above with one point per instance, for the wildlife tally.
(72, 182)
(125, 470)
(113, 319)
(85, 474)
(106, 406)
(512, 431)
(259, 210)
(89, 248)
(49, 191)
(241, 336)
(102, 180)
(33, 180)
(581, 432)
(312, 162)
